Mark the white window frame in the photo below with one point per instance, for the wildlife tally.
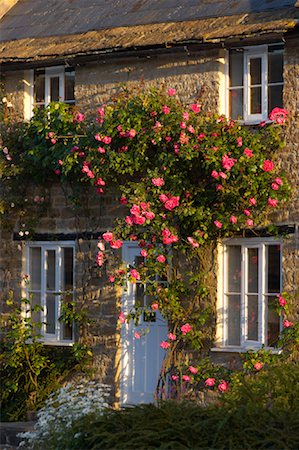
(50, 72)
(222, 311)
(57, 338)
(257, 51)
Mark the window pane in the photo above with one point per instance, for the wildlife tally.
(67, 332)
(39, 86)
(139, 296)
(233, 322)
(54, 89)
(234, 268)
(67, 276)
(273, 268)
(252, 270)
(255, 70)
(252, 317)
(69, 87)
(51, 313)
(256, 100)
(51, 266)
(236, 68)
(273, 323)
(36, 315)
(275, 97)
(236, 103)
(35, 268)
(275, 67)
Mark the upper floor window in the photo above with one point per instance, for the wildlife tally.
(51, 270)
(251, 284)
(53, 84)
(255, 82)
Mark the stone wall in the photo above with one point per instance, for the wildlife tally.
(191, 75)
(14, 92)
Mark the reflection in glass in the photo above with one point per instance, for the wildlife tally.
(236, 68)
(252, 270)
(54, 89)
(233, 319)
(67, 269)
(234, 268)
(35, 268)
(275, 97)
(39, 86)
(69, 87)
(51, 268)
(273, 322)
(275, 67)
(252, 317)
(273, 264)
(255, 71)
(51, 313)
(236, 103)
(255, 100)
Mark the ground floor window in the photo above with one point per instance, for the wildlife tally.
(251, 282)
(51, 273)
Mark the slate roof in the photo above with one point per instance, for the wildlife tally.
(41, 30)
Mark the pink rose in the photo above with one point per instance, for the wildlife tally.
(137, 335)
(248, 152)
(108, 236)
(287, 324)
(252, 201)
(163, 198)
(217, 224)
(111, 278)
(50, 134)
(186, 378)
(123, 200)
(192, 242)
(101, 112)
(99, 182)
(193, 370)
(249, 222)
(101, 150)
(155, 306)
(132, 133)
(158, 181)
(186, 328)
(247, 212)
(122, 317)
(223, 175)
(165, 345)
(171, 336)
(183, 125)
(210, 382)
(233, 219)
(116, 244)
(149, 215)
(135, 210)
(272, 202)
(228, 162)
(172, 203)
(144, 253)
(278, 115)
(129, 220)
(53, 141)
(161, 259)
(79, 117)
(57, 171)
(165, 109)
(219, 187)
(278, 181)
(135, 274)
(171, 92)
(223, 386)
(107, 139)
(100, 259)
(268, 165)
(258, 366)
(239, 142)
(174, 377)
(274, 186)
(191, 129)
(139, 220)
(186, 115)
(215, 174)
(282, 301)
(195, 107)
(101, 246)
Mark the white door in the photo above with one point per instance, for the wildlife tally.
(141, 359)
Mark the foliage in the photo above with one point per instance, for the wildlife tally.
(30, 370)
(66, 406)
(261, 412)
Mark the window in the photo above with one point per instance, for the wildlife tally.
(251, 283)
(51, 270)
(53, 84)
(255, 82)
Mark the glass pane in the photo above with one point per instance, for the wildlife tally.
(275, 67)
(234, 268)
(273, 323)
(236, 68)
(54, 89)
(67, 277)
(234, 319)
(255, 100)
(36, 315)
(252, 317)
(275, 97)
(51, 313)
(35, 268)
(67, 332)
(139, 296)
(252, 270)
(273, 268)
(51, 266)
(39, 86)
(255, 70)
(236, 103)
(69, 86)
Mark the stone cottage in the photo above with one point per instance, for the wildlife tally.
(243, 57)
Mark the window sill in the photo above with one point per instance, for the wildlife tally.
(57, 343)
(275, 351)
